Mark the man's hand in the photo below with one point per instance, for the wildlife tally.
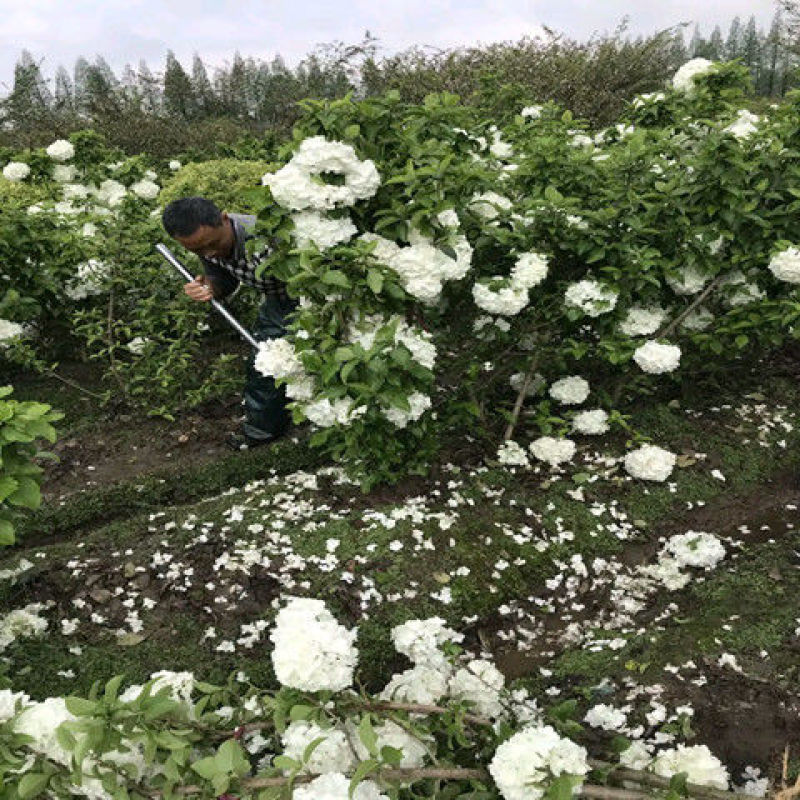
(199, 289)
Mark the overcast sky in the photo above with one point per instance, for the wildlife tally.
(124, 31)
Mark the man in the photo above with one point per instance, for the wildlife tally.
(218, 238)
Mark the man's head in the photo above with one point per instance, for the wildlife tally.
(199, 226)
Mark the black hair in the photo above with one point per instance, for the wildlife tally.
(184, 216)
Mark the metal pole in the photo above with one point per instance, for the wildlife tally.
(232, 321)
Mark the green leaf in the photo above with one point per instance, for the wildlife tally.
(367, 735)
(300, 712)
(80, 707)
(375, 280)
(206, 768)
(363, 769)
(32, 785)
(27, 494)
(112, 687)
(335, 277)
(343, 354)
(391, 755)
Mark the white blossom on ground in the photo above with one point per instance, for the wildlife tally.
(512, 454)
(333, 754)
(16, 171)
(312, 651)
(553, 451)
(335, 786)
(481, 683)
(591, 423)
(700, 764)
(570, 391)
(683, 80)
(180, 685)
(785, 265)
(524, 765)
(60, 150)
(590, 297)
(655, 358)
(311, 227)
(642, 321)
(696, 549)
(637, 755)
(22, 623)
(650, 463)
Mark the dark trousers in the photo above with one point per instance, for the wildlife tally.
(265, 404)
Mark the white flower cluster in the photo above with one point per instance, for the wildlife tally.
(390, 734)
(523, 766)
(175, 165)
(277, 358)
(647, 98)
(64, 173)
(312, 651)
(700, 764)
(146, 189)
(417, 341)
(553, 451)
(479, 683)
(590, 297)
(22, 623)
(570, 391)
(421, 684)
(323, 232)
(695, 549)
(529, 270)
(399, 417)
(785, 265)
(9, 331)
(605, 717)
(40, 721)
(650, 463)
(512, 454)
(332, 754)
(296, 186)
(137, 345)
(698, 319)
(60, 150)
(420, 640)
(16, 171)
(655, 358)
(683, 80)
(323, 413)
(689, 280)
(499, 148)
(422, 267)
(642, 321)
(335, 786)
(591, 423)
(532, 112)
(88, 280)
(489, 204)
(744, 126)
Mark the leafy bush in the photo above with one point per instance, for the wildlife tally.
(226, 181)
(21, 424)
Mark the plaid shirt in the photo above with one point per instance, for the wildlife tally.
(227, 273)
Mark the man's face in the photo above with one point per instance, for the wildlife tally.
(210, 241)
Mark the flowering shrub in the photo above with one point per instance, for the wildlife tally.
(21, 425)
(470, 732)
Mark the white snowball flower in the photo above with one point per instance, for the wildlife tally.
(507, 301)
(524, 765)
(16, 171)
(448, 218)
(180, 685)
(175, 165)
(698, 319)
(642, 321)
(700, 764)
(22, 622)
(312, 650)
(10, 703)
(696, 549)
(655, 358)
(111, 193)
(390, 734)
(650, 463)
(89, 280)
(421, 640)
(137, 345)
(553, 451)
(9, 331)
(591, 423)
(605, 717)
(532, 112)
(64, 173)
(683, 80)
(146, 189)
(481, 683)
(512, 454)
(570, 391)
(529, 270)
(333, 754)
(419, 403)
(637, 755)
(590, 297)
(61, 150)
(40, 721)
(689, 280)
(785, 265)
(310, 227)
(277, 358)
(324, 413)
(486, 205)
(422, 684)
(417, 341)
(649, 97)
(335, 786)
(744, 126)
